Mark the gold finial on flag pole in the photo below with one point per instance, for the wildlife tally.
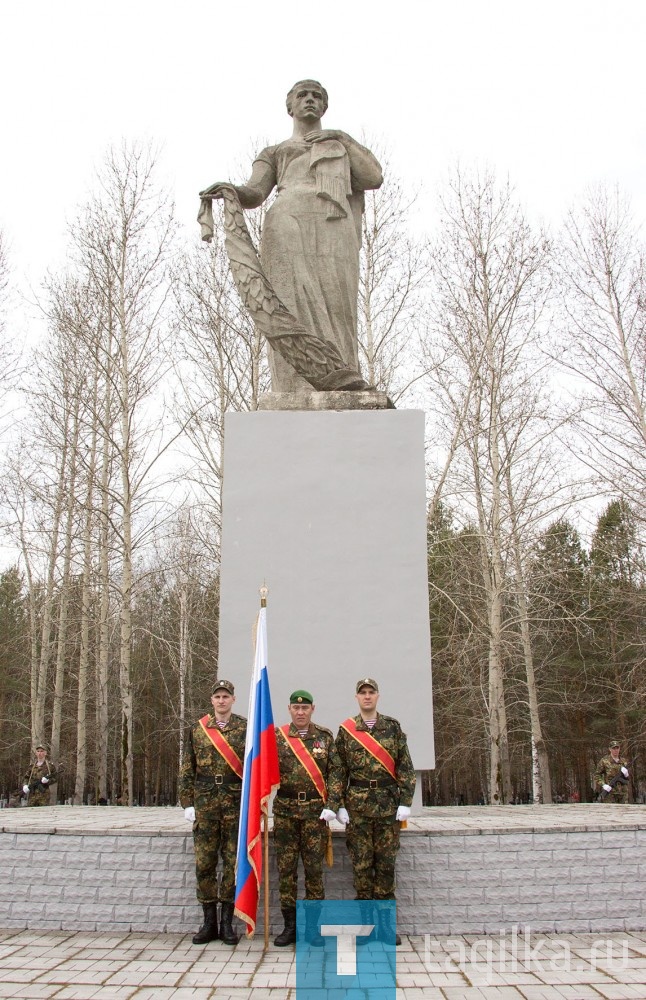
(264, 590)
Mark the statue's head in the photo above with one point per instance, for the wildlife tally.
(306, 85)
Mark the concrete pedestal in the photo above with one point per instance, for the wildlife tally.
(329, 509)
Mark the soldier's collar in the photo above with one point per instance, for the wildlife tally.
(213, 722)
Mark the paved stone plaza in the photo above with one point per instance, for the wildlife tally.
(82, 966)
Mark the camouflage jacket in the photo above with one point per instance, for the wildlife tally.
(203, 763)
(607, 769)
(357, 764)
(35, 773)
(293, 776)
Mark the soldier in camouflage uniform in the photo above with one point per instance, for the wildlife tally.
(210, 784)
(609, 774)
(370, 799)
(300, 827)
(38, 778)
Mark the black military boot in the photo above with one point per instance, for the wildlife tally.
(227, 933)
(312, 932)
(209, 929)
(288, 933)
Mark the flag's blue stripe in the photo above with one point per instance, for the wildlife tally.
(264, 716)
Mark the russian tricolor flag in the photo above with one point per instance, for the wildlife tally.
(260, 778)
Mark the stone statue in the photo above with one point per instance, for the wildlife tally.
(302, 294)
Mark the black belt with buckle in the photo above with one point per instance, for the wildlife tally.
(285, 793)
(218, 779)
(372, 782)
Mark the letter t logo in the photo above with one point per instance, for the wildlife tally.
(346, 944)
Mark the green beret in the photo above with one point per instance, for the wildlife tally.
(301, 698)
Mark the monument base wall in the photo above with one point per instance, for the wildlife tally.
(567, 869)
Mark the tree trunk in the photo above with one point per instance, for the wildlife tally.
(39, 688)
(64, 591)
(541, 783)
(86, 606)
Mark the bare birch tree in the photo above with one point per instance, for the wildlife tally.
(45, 484)
(43, 507)
(123, 243)
(491, 282)
(79, 321)
(24, 506)
(603, 268)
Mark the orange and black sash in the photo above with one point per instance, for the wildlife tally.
(369, 743)
(295, 743)
(225, 749)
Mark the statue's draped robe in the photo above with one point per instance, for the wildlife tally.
(310, 246)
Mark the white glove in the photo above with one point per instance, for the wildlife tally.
(403, 812)
(327, 815)
(44, 781)
(343, 816)
(607, 788)
(189, 814)
(624, 771)
(25, 789)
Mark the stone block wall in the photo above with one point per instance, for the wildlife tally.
(552, 881)
(448, 883)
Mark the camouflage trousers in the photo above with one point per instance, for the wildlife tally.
(373, 844)
(618, 794)
(215, 835)
(305, 838)
(39, 798)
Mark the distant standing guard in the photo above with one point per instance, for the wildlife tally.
(38, 779)
(372, 790)
(306, 754)
(210, 784)
(611, 776)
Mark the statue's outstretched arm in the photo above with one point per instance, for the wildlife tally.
(253, 193)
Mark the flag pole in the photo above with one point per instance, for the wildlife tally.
(265, 823)
(266, 885)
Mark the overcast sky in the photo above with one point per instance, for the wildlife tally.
(551, 93)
